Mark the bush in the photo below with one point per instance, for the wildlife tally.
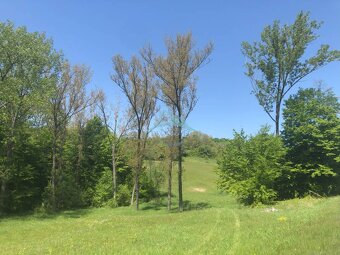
(123, 195)
(103, 189)
(103, 192)
(248, 167)
(151, 180)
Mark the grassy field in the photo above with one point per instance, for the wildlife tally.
(212, 224)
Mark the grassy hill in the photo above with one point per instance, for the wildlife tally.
(212, 224)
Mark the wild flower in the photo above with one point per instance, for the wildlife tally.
(282, 219)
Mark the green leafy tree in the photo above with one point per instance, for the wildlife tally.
(312, 135)
(201, 145)
(277, 62)
(248, 167)
(28, 63)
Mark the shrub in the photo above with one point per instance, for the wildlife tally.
(103, 189)
(123, 195)
(151, 180)
(103, 192)
(248, 167)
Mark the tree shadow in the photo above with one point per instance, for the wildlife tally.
(69, 214)
(77, 213)
(161, 204)
(189, 206)
(155, 205)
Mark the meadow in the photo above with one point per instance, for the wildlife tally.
(213, 223)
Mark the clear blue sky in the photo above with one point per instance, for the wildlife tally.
(91, 32)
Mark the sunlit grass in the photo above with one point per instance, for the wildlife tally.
(213, 224)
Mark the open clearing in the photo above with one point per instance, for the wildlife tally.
(213, 223)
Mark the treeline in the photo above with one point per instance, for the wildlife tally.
(63, 147)
(303, 159)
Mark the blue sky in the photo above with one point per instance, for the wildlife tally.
(91, 32)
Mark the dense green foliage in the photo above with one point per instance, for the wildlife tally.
(250, 166)
(198, 144)
(311, 132)
(28, 64)
(305, 160)
(43, 117)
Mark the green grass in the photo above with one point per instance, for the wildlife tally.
(213, 224)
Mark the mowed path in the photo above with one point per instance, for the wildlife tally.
(213, 223)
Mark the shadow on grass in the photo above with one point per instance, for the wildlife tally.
(188, 205)
(162, 204)
(77, 213)
(154, 205)
(72, 214)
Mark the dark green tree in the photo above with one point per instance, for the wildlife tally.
(311, 132)
(28, 63)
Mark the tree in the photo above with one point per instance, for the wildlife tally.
(118, 129)
(68, 98)
(312, 135)
(178, 85)
(171, 154)
(278, 62)
(198, 144)
(136, 81)
(28, 62)
(248, 167)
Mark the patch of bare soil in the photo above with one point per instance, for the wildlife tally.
(199, 189)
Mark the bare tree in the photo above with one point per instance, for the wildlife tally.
(119, 128)
(68, 99)
(136, 81)
(178, 84)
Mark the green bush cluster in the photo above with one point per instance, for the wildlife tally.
(304, 160)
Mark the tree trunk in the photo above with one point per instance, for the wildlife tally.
(8, 165)
(139, 166)
(53, 176)
(133, 194)
(79, 163)
(180, 170)
(2, 195)
(169, 184)
(114, 178)
(277, 119)
(137, 190)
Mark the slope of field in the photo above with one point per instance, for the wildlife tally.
(213, 223)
